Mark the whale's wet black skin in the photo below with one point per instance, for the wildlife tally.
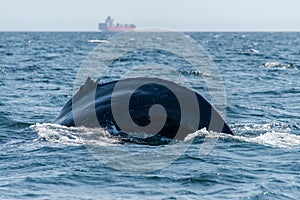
(92, 105)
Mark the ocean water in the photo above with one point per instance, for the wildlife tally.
(41, 160)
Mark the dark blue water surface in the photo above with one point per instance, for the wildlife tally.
(260, 72)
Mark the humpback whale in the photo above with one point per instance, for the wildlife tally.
(153, 107)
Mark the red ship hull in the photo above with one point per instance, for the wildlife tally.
(119, 29)
(110, 26)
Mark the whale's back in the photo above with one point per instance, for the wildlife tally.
(92, 105)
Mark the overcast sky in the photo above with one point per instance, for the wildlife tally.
(197, 15)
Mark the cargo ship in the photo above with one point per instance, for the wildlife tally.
(110, 26)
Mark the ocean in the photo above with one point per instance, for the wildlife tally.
(41, 160)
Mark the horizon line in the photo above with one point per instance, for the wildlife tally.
(184, 30)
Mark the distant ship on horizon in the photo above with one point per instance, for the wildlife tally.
(110, 26)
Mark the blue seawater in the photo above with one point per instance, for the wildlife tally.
(40, 160)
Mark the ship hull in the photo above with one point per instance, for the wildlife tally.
(104, 27)
(116, 29)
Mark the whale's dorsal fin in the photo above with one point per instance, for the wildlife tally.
(89, 83)
(87, 86)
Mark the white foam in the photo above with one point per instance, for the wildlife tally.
(254, 51)
(280, 65)
(98, 41)
(270, 134)
(202, 132)
(273, 138)
(73, 135)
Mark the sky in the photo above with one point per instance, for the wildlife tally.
(186, 15)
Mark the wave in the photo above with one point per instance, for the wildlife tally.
(271, 134)
(271, 65)
(274, 134)
(273, 138)
(98, 41)
(193, 72)
(73, 135)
